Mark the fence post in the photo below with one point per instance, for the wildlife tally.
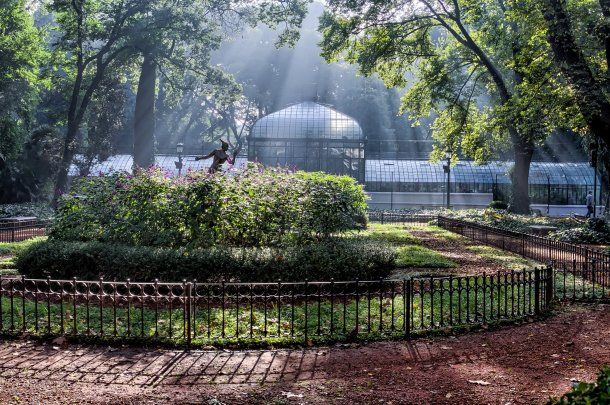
(550, 285)
(189, 294)
(407, 289)
(12, 234)
(537, 291)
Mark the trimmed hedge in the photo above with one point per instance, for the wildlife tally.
(334, 258)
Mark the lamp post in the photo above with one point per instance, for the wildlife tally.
(179, 150)
(447, 169)
(392, 182)
(594, 164)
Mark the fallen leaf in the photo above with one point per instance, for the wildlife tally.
(479, 382)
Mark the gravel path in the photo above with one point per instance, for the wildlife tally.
(520, 364)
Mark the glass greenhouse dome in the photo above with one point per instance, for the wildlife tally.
(550, 183)
(309, 136)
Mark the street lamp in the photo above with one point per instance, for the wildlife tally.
(447, 169)
(392, 182)
(179, 150)
(593, 148)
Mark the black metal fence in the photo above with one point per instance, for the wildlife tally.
(400, 217)
(580, 272)
(16, 231)
(203, 313)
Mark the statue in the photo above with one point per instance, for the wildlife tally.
(220, 157)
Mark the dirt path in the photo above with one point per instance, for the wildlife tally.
(456, 249)
(521, 364)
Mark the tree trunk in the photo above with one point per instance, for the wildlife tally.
(520, 200)
(590, 96)
(144, 116)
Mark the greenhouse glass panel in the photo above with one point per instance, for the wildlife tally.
(309, 136)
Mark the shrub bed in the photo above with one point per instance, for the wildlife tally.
(253, 207)
(333, 258)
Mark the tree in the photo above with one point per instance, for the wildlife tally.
(186, 33)
(21, 55)
(478, 70)
(98, 35)
(579, 34)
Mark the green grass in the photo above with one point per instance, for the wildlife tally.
(408, 246)
(420, 256)
(394, 235)
(13, 248)
(444, 234)
(504, 258)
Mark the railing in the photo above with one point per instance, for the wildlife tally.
(22, 230)
(400, 217)
(584, 272)
(203, 313)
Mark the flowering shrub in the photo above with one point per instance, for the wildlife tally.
(255, 207)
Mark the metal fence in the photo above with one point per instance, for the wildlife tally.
(584, 273)
(202, 313)
(21, 230)
(400, 217)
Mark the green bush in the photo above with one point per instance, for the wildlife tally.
(595, 231)
(254, 207)
(498, 205)
(338, 258)
(588, 393)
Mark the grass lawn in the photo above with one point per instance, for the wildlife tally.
(506, 259)
(420, 256)
(409, 247)
(8, 250)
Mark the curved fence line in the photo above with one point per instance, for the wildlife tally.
(581, 272)
(203, 313)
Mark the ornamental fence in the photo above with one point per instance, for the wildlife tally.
(17, 231)
(202, 313)
(400, 217)
(580, 272)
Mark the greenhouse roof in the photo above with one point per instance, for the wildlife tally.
(307, 120)
(423, 171)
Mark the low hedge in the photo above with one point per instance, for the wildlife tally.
(334, 258)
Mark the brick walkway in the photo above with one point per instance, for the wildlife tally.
(524, 363)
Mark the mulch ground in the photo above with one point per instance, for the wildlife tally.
(519, 364)
(469, 263)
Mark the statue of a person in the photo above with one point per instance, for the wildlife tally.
(220, 157)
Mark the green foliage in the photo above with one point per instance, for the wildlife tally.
(588, 393)
(594, 231)
(14, 248)
(498, 205)
(333, 258)
(38, 210)
(511, 222)
(254, 207)
(21, 53)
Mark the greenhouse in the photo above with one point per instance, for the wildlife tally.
(550, 183)
(311, 137)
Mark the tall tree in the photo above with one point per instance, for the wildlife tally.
(579, 34)
(21, 56)
(473, 67)
(97, 35)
